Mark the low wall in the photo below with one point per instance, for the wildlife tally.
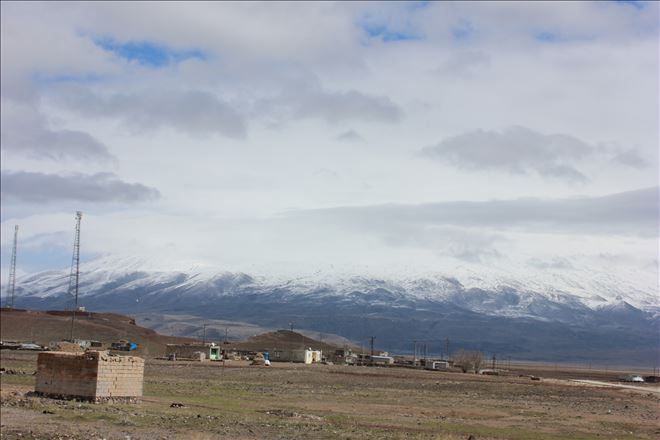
(93, 375)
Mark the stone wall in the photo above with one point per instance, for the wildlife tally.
(90, 376)
(120, 376)
(67, 374)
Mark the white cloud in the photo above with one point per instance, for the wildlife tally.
(629, 213)
(349, 106)
(25, 131)
(232, 140)
(43, 188)
(519, 150)
(349, 136)
(465, 64)
(194, 112)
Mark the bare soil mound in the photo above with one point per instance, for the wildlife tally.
(282, 340)
(43, 327)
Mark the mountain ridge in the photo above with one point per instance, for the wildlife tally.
(500, 316)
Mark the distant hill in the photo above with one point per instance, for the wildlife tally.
(42, 327)
(283, 340)
(218, 330)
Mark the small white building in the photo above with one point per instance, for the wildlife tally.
(306, 356)
(437, 365)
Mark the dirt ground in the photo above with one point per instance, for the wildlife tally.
(293, 401)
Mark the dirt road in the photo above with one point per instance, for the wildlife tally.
(645, 389)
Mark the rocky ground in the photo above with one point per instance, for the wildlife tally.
(291, 401)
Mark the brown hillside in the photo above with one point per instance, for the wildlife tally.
(281, 339)
(42, 327)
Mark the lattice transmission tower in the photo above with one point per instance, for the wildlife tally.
(75, 272)
(11, 285)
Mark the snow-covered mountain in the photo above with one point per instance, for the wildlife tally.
(510, 311)
(485, 289)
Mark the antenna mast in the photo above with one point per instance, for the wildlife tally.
(75, 271)
(11, 286)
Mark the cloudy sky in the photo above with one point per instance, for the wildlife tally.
(288, 136)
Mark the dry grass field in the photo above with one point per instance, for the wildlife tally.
(293, 401)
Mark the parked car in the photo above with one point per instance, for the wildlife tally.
(30, 346)
(632, 378)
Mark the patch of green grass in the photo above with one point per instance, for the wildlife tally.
(17, 379)
(223, 397)
(514, 432)
(91, 416)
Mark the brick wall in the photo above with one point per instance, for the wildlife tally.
(91, 375)
(68, 374)
(120, 376)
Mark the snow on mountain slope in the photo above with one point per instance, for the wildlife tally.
(515, 291)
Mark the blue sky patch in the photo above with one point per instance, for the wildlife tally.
(386, 34)
(634, 3)
(556, 37)
(147, 53)
(86, 78)
(547, 37)
(50, 257)
(463, 31)
(415, 5)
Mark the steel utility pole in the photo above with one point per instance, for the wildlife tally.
(75, 271)
(371, 343)
(11, 286)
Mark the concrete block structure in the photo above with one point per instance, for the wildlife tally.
(95, 376)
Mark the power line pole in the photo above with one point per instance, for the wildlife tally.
(447, 347)
(371, 343)
(11, 286)
(75, 271)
